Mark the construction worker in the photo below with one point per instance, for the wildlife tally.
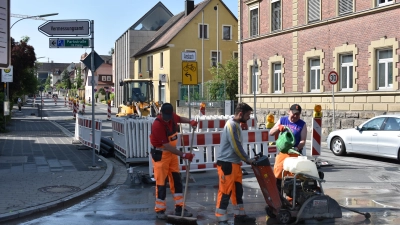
(299, 129)
(164, 154)
(229, 169)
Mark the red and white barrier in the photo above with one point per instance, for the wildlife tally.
(83, 131)
(215, 123)
(65, 101)
(207, 148)
(55, 101)
(83, 108)
(316, 137)
(131, 137)
(74, 110)
(77, 105)
(109, 110)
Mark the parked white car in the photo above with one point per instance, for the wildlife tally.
(379, 136)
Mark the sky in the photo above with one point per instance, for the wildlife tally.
(111, 20)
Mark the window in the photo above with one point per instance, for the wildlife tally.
(345, 6)
(235, 55)
(392, 124)
(150, 63)
(253, 21)
(276, 15)
(183, 92)
(374, 124)
(384, 2)
(203, 31)
(108, 78)
(214, 58)
(140, 65)
(103, 78)
(385, 68)
(161, 59)
(314, 75)
(227, 32)
(346, 72)
(162, 93)
(254, 79)
(313, 10)
(277, 77)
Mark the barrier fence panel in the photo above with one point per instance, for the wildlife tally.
(119, 130)
(206, 146)
(217, 122)
(85, 131)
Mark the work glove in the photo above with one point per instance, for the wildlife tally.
(193, 123)
(281, 128)
(188, 156)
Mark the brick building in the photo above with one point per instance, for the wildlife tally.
(297, 43)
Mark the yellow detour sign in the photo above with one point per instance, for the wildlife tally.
(189, 73)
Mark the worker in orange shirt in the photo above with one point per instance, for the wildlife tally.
(163, 138)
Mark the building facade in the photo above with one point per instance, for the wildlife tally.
(208, 28)
(131, 41)
(297, 44)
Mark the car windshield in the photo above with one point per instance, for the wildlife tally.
(136, 91)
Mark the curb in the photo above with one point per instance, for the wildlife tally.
(66, 200)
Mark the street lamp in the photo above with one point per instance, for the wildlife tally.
(40, 16)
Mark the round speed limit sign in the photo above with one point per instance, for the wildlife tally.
(333, 77)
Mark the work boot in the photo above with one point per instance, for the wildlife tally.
(178, 212)
(161, 215)
(223, 223)
(244, 219)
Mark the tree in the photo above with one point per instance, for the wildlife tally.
(65, 80)
(47, 83)
(79, 80)
(111, 51)
(23, 60)
(224, 84)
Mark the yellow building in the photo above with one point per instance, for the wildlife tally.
(208, 28)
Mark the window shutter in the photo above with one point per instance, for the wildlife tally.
(345, 6)
(313, 10)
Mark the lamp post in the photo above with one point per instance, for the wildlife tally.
(255, 69)
(40, 16)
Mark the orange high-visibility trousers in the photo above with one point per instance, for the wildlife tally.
(230, 187)
(167, 167)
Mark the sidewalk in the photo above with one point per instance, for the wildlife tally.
(40, 168)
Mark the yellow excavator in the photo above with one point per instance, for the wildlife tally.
(138, 99)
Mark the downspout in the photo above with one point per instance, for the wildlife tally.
(241, 52)
(202, 57)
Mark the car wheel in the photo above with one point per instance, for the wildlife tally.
(338, 147)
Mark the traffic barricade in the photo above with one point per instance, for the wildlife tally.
(83, 128)
(118, 134)
(217, 122)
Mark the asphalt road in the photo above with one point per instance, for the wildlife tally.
(368, 184)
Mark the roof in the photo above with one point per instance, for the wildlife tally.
(155, 7)
(53, 67)
(170, 29)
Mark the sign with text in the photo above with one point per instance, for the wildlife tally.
(5, 33)
(163, 78)
(189, 73)
(6, 108)
(189, 56)
(333, 77)
(65, 27)
(69, 43)
(7, 75)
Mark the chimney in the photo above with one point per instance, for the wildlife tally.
(189, 6)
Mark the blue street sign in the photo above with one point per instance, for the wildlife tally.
(60, 43)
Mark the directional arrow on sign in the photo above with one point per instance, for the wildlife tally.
(65, 27)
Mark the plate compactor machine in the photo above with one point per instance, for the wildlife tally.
(301, 196)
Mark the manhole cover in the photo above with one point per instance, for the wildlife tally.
(59, 189)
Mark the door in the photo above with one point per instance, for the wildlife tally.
(389, 141)
(366, 140)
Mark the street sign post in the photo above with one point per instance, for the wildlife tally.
(69, 43)
(56, 28)
(5, 34)
(333, 78)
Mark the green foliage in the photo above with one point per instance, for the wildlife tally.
(111, 51)
(23, 60)
(102, 91)
(112, 96)
(96, 95)
(79, 80)
(47, 85)
(224, 84)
